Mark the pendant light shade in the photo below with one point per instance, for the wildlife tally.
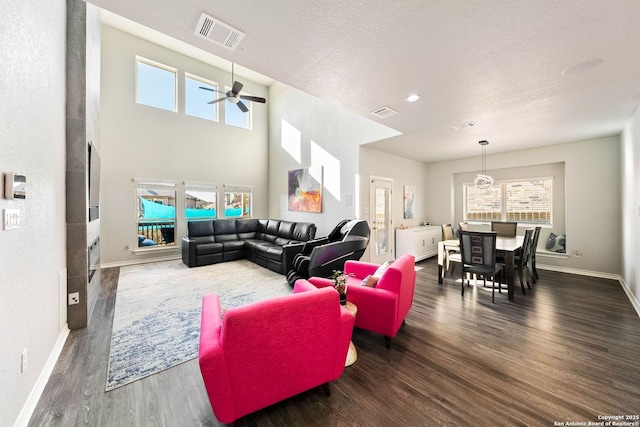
(483, 181)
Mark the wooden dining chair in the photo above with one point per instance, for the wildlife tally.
(505, 229)
(523, 259)
(532, 255)
(478, 252)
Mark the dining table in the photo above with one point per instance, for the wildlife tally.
(506, 247)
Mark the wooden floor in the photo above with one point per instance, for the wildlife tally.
(567, 351)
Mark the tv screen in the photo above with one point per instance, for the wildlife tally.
(93, 162)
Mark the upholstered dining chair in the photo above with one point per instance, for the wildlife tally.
(452, 253)
(464, 226)
(505, 229)
(478, 252)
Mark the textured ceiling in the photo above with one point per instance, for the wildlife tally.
(498, 63)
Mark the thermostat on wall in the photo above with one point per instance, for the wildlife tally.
(15, 186)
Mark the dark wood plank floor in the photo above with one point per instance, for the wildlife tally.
(567, 351)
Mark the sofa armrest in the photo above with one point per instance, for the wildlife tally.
(302, 285)
(189, 252)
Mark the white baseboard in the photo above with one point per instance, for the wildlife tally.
(630, 295)
(43, 378)
(612, 276)
(139, 261)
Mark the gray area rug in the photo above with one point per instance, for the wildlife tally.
(156, 323)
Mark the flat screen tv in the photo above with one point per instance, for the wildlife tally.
(93, 162)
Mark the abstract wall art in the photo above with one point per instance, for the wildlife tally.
(305, 189)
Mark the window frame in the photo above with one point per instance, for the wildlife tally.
(151, 63)
(504, 215)
(160, 222)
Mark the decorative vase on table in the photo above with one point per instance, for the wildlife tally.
(340, 283)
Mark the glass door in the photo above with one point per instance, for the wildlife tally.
(381, 242)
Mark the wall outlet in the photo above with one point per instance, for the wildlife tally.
(74, 298)
(23, 361)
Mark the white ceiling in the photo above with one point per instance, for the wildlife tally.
(498, 63)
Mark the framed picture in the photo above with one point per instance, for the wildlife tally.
(409, 201)
(305, 189)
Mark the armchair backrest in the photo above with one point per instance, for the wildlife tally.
(400, 278)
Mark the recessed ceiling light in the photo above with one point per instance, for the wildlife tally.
(582, 67)
(412, 98)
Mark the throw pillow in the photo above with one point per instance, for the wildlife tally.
(370, 281)
(556, 243)
(380, 271)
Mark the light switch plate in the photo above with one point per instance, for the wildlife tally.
(11, 218)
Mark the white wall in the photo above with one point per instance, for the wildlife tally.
(630, 176)
(592, 197)
(32, 142)
(300, 126)
(138, 141)
(403, 172)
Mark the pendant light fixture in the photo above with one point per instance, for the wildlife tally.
(483, 181)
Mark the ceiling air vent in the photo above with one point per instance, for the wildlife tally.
(218, 32)
(465, 125)
(384, 112)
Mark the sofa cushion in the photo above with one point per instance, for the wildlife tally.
(225, 230)
(200, 229)
(285, 229)
(233, 245)
(304, 231)
(269, 251)
(208, 248)
(246, 228)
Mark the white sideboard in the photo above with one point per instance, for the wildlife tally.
(421, 242)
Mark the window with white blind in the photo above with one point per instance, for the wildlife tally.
(527, 201)
(237, 202)
(200, 201)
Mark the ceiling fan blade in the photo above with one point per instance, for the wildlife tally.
(211, 89)
(242, 107)
(237, 87)
(217, 100)
(253, 98)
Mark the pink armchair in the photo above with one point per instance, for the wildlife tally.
(383, 308)
(256, 355)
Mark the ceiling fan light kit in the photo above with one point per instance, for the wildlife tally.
(482, 180)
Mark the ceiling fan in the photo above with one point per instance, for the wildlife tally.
(234, 96)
